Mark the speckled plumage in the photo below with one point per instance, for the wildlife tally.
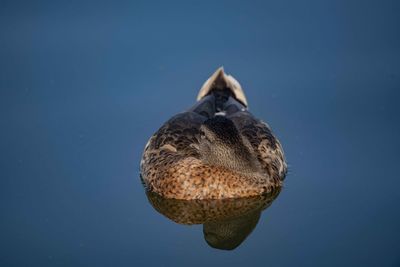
(216, 150)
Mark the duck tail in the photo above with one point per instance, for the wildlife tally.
(222, 86)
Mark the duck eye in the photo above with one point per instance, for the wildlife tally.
(202, 134)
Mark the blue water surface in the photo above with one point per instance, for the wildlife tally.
(83, 84)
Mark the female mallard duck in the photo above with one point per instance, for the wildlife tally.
(217, 149)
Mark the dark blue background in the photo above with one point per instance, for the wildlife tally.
(84, 84)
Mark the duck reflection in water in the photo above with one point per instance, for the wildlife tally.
(226, 222)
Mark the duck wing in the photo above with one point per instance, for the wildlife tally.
(266, 146)
(179, 134)
(174, 141)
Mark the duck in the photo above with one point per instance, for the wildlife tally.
(216, 149)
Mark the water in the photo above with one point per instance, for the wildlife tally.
(83, 85)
